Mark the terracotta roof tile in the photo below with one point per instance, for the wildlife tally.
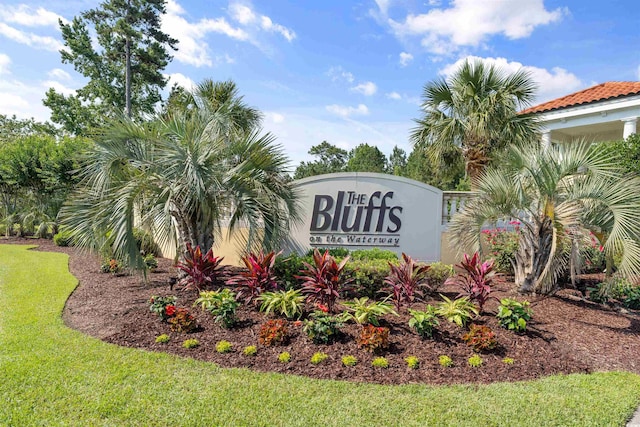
(596, 93)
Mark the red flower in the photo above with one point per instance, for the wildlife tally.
(601, 248)
(170, 310)
(323, 308)
(297, 323)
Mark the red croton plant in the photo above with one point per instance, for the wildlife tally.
(258, 278)
(404, 281)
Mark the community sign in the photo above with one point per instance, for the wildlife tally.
(368, 210)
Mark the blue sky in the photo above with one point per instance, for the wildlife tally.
(347, 72)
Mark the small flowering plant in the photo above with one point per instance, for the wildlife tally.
(164, 307)
(503, 245)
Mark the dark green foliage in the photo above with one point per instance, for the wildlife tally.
(626, 153)
(12, 128)
(287, 268)
(446, 173)
(321, 327)
(502, 245)
(367, 276)
(62, 238)
(513, 315)
(481, 338)
(424, 322)
(150, 262)
(131, 44)
(397, 164)
(367, 158)
(330, 159)
(334, 252)
(145, 242)
(437, 274)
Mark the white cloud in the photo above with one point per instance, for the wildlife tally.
(193, 49)
(274, 117)
(59, 74)
(30, 39)
(5, 62)
(244, 15)
(394, 95)
(469, 23)
(552, 83)
(23, 100)
(59, 87)
(365, 88)
(27, 16)
(340, 74)
(181, 80)
(346, 111)
(405, 58)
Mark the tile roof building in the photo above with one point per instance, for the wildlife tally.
(608, 111)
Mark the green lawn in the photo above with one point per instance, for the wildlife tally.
(52, 375)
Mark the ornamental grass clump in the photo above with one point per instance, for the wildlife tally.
(475, 361)
(323, 281)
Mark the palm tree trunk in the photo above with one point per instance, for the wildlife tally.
(534, 255)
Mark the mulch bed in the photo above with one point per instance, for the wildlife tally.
(567, 333)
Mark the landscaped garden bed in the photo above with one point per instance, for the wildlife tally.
(565, 335)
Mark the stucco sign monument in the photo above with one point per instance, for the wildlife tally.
(367, 210)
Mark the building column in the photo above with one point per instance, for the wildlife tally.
(629, 126)
(546, 139)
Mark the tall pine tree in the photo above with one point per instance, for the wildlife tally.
(124, 70)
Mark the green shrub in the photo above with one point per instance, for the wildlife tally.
(334, 252)
(250, 350)
(163, 339)
(164, 307)
(286, 268)
(508, 361)
(624, 291)
(424, 322)
(458, 311)
(349, 361)
(322, 328)
(475, 361)
(63, 238)
(191, 343)
(224, 346)
(284, 357)
(319, 357)
(146, 244)
(380, 362)
(374, 338)
(513, 315)
(599, 293)
(150, 261)
(481, 338)
(289, 303)
(445, 361)
(437, 274)
(221, 304)
(412, 362)
(365, 312)
(373, 253)
(502, 245)
(368, 276)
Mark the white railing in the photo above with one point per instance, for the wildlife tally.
(452, 202)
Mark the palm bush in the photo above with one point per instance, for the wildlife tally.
(558, 194)
(289, 303)
(185, 174)
(365, 312)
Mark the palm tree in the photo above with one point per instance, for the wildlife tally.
(181, 175)
(475, 111)
(559, 194)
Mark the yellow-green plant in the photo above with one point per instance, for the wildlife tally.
(349, 361)
(319, 357)
(284, 357)
(475, 361)
(224, 347)
(365, 312)
(190, 343)
(250, 350)
(289, 303)
(412, 362)
(162, 339)
(380, 362)
(445, 361)
(459, 311)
